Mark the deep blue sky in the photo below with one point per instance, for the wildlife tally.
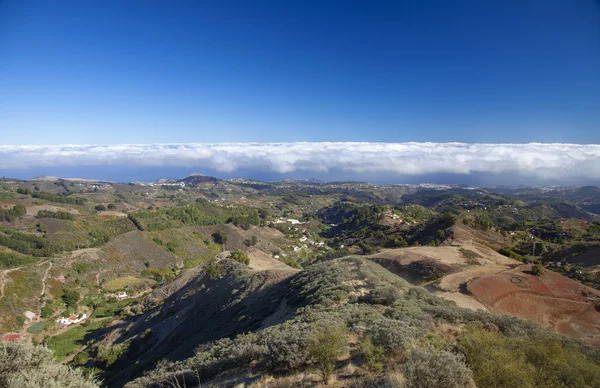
(173, 71)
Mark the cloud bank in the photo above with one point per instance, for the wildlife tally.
(536, 160)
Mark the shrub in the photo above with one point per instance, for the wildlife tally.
(220, 237)
(394, 336)
(428, 368)
(510, 253)
(240, 256)
(251, 241)
(108, 354)
(213, 269)
(374, 355)
(538, 269)
(499, 361)
(327, 344)
(23, 365)
(47, 312)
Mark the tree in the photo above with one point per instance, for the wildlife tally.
(220, 237)
(112, 206)
(240, 256)
(47, 312)
(328, 343)
(100, 208)
(71, 297)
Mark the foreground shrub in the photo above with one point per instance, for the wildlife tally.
(374, 355)
(327, 344)
(23, 365)
(499, 361)
(428, 368)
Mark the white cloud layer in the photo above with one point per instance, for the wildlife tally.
(540, 161)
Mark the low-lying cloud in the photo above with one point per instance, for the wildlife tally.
(540, 161)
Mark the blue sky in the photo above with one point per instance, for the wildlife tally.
(113, 72)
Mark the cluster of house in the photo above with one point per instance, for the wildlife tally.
(306, 242)
(71, 319)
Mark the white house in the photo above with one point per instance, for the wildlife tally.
(71, 319)
(122, 295)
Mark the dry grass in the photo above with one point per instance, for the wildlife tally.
(119, 284)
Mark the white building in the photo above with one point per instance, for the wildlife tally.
(71, 319)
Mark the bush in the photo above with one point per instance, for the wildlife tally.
(396, 337)
(510, 253)
(499, 361)
(327, 344)
(374, 355)
(428, 368)
(240, 256)
(213, 269)
(251, 241)
(47, 312)
(22, 365)
(538, 269)
(219, 237)
(108, 354)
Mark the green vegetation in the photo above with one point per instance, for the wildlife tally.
(240, 256)
(12, 260)
(22, 365)
(395, 324)
(219, 237)
(56, 197)
(375, 357)
(434, 368)
(501, 361)
(336, 312)
(326, 345)
(71, 298)
(537, 269)
(199, 214)
(108, 354)
(111, 309)
(36, 328)
(12, 214)
(68, 342)
(510, 253)
(470, 256)
(26, 244)
(158, 274)
(58, 215)
(120, 284)
(214, 269)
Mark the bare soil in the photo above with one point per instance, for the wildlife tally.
(554, 300)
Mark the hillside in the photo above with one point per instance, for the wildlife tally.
(226, 282)
(375, 307)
